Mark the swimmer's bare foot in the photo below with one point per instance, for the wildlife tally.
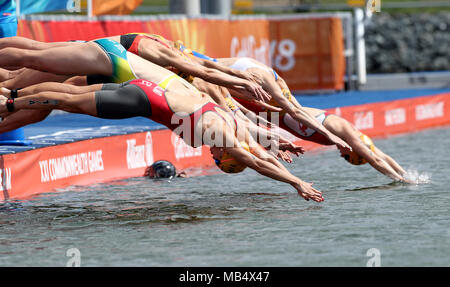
(4, 91)
(3, 110)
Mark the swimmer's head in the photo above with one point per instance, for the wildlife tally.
(226, 162)
(354, 158)
(161, 169)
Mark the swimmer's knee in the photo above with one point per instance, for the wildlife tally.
(33, 60)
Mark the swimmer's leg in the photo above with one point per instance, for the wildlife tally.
(29, 44)
(56, 87)
(77, 81)
(31, 77)
(82, 59)
(123, 102)
(7, 74)
(4, 75)
(22, 118)
(47, 101)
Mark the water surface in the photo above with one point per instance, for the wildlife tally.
(246, 219)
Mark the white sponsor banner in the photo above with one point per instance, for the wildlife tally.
(139, 156)
(395, 117)
(5, 179)
(183, 150)
(364, 120)
(71, 165)
(246, 47)
(430, 111)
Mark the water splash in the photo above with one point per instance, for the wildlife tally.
(415, 176)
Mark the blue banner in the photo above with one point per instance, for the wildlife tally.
(39, 6)
(7, 7)
(8, 21)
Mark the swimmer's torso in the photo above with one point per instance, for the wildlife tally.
(172, 108)
(145, 45)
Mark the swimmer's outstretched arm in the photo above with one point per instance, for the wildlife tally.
(225, 69)
(262, 154)
(254, 117)
(263, 166)
(273, 142)
(299, 113)
(376, 161)
(268, 169)
(166, 57)
(395, 165)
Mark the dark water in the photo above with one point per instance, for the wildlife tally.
(246, 219)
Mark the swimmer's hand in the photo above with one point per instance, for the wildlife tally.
(308, 192)
(408, 181)
(182, 174)
(257, 91)
(293, 148)
(284, 156)
(252, 76)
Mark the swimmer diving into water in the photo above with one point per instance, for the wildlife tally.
(207, 123)
(362, 147)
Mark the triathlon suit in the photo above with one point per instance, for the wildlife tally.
(121, 69)
(304, 132)
(147, 99)
(243, 64)
(131, 43)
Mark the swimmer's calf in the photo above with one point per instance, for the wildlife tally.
(196, 277)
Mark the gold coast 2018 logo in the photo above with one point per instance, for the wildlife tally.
(373, 6)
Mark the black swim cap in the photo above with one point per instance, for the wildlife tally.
(162, 169)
